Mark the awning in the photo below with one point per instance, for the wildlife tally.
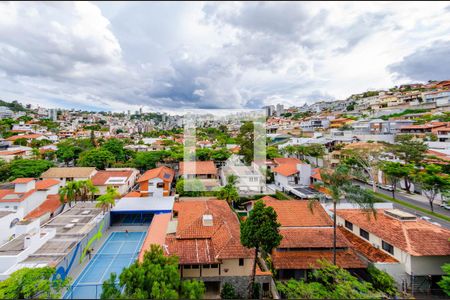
(151, 204)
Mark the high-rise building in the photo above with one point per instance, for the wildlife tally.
(53, 114)
(280, 109)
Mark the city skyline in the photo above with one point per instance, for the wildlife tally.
(169, 57)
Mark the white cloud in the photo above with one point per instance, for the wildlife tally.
(206, 55)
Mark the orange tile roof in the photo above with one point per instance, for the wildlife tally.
(298, 260)
(194, 243)
(308, 237)
(366, 249)
(23, 136)
(50, 205)
(12, 152)
(418, 238)
(316, 174)
(298, 213)
(133, 194)
(101, 177)
(198, 168)
(287, 160)
(156, 233)
(15, 197)
(286, 169)
(163, 172)
(46, 183)
(22, 180)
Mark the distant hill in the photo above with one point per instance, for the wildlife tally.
(14, 106)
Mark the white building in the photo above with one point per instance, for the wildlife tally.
(250, 180)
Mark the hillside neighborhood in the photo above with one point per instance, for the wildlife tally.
(358, 189)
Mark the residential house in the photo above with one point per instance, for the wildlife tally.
(250, 180)
(156, 182)
(15, 152)
(205, 235)
(65, 174)
(420, 248)
(294, 176)
(205, 171)
(123, 179)
(308, 237)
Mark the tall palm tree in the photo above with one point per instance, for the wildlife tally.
(107, 200)
(301, 151)
(229, 191)
(69, 193)
(88, 190)
(339, 185)
(289, 150)
(317, 151)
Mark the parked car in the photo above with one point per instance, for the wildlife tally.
(426, 218)
(386, 187)
(445, 205)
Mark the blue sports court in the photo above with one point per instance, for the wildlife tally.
(120, 250)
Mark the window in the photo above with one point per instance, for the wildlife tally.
(151, 183)
(387, 247)
(212, 266)
(160, 185)
(364, 234)
(349, 225)
(241, 261)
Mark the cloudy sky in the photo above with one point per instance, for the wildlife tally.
(170, 56)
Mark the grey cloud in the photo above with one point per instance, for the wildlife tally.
(429, 63)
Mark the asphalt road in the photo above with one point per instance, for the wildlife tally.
(404, 197)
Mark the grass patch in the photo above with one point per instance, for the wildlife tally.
(412, 206)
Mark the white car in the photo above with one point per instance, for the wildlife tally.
(426, 218)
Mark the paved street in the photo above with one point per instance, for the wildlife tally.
(417, 200)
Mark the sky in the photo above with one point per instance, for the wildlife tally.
(171, 56)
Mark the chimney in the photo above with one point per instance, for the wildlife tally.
(207, 220)
(27, 242)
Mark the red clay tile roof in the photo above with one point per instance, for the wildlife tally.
(50, 205)
(298, 260)
(46, 183)
(11, 196)
(133, 194)
(101, 177)
(12, 152)
(198, 168)
(366, 249)
(316, 174)
(418, 238)
(287, 160)
(156, 233)
(308, 237)
(286, 169)
(23, 136)
(22, 180)
(298, 213)
(163, 172)
(194, 243)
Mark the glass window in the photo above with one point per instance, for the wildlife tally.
(364, 234)
(387, 247)
(349, 225)
(241, 261)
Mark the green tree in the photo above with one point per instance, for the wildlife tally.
(228, 292)
(409, 149)
(192, 289)
(147, 160)
(99, 158)
(28, 283)
(229, 191)
(394, 172)
(272, 152)
(317, 151)
(21, 142)
(19, 168)
(221, 154)
(69, 193)
(261, 232)
(66, 152)
(433, 182)
(189, 187)
(444, 283)
(203, 154)
(156, 277)
(245, 140)
(87, 190)
(338, 183)
(115, 146)
(382, 281)
(107, 200)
